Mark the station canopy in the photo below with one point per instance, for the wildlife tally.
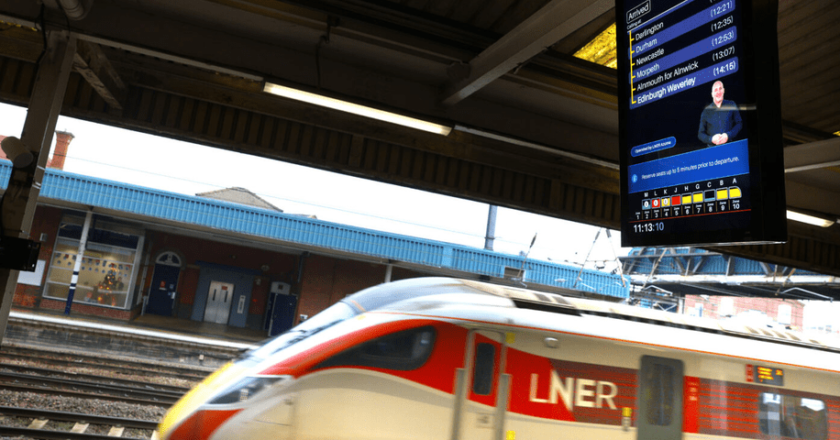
(522, 92)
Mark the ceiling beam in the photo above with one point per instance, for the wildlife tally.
(813, 155)
(553, 22)
(95, 68)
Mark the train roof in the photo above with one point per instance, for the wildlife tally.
(555, 303)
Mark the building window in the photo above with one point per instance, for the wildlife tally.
(784, 316)
(792, 417)
(108, 265)
(170, 259)
(727, 307)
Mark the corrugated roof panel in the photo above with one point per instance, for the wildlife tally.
(744, 266)
(489, 263)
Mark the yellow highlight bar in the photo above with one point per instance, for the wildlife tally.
(698, 197)
(632, 88)
(722, 194)
(734, 192)
(686, 200)
(666, 201)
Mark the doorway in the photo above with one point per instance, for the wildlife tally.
(162, 291)
(219, 299)
(483, 389)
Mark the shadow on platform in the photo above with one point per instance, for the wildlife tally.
(197, 328)
(166, 324)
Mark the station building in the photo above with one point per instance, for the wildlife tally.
(230, 257)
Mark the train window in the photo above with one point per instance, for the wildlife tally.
(485, 362)
(660, 398)
(403, 351)
(793, 417)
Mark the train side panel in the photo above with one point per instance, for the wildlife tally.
(717, 395)
(403, 376)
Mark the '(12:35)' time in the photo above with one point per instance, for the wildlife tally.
(649, 227)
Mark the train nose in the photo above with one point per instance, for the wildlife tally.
(215, 401)
(188, 407)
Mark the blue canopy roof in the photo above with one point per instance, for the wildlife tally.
(288, 228)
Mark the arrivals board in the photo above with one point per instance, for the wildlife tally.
(700, 124)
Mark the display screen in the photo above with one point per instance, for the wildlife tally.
(693, 169)
(765, 375)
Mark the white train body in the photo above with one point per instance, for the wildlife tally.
(451, 359)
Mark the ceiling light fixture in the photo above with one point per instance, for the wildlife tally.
(809, 219)
(356, 109)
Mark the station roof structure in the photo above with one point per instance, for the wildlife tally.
(680, 271)
(532, 126)
(269, 228)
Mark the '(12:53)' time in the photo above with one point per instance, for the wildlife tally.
(648, 227)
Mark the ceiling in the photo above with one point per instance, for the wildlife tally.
(535, 127)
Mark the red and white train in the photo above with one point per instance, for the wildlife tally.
(446, 359)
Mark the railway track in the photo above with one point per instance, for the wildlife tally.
(134, 384)
(121, 365)
(42, 425)
(86, 389)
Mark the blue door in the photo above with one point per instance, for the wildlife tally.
(282, 314)
(162, 290)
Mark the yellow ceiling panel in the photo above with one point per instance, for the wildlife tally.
(601, 50)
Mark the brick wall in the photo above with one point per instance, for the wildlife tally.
(187, 284)
(88, 309)
(259, 296)
(327, 280)
(194, 249)
(712, 307)
(62, 144)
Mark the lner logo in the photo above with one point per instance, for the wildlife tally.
(640, 10)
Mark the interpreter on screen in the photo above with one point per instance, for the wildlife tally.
(720, 121)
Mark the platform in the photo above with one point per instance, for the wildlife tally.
(157, 327)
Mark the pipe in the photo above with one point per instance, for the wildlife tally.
(74, 9)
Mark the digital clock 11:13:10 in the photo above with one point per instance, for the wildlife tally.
(649, 227)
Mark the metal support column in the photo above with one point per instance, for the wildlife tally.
(21, 195)
(490, 236)
(78, 265)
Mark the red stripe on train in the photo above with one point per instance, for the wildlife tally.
(691, 402)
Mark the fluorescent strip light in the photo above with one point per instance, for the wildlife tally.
(356, 109)
(809, 219)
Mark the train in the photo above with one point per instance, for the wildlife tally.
(454, 359)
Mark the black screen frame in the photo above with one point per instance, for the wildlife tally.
(760, 65)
